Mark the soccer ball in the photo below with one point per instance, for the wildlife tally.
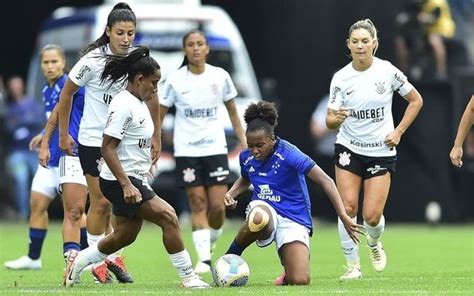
(231, 271)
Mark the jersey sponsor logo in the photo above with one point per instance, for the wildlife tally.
(109, 119)
(201, 112)
(380, 87)
(144, 143)
(140, 175)
(266, 193)
(377, 144)
(125, 125)
(219, 172)
(82, 72)
(344, 158)
(376, 169)
(188, 175)
(200, 142)
(376, 114)
(279, 156)
(262, 174)
(247, 160)
(335, 91)
(400, 79)
(107, 99)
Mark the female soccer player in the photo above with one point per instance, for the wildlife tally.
(116, 39)
(280, 209)
(197, 90)
(360, 105)
(126, 149)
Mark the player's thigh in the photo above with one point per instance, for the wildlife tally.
(74, 197)
(348, 185)
(73, 183)
(157, 211)
(295, 259)
(39, 202)
(376, 191)
(95, 194)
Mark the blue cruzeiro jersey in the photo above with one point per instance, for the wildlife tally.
(51, 98)
(280, 181)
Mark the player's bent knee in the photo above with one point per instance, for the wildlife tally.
(169, 217)
(258, 219)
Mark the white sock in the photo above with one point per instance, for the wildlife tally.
(90, 255)
(93, 239)
(374, 232)
(182, 262)
(215, 234)
(349, 248)
(202, 243)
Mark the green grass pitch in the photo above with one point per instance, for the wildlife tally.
(422, 260)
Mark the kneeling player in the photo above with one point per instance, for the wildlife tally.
(280, 209)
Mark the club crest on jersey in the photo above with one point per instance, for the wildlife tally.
(380, 87)
(344, 158)
(188, 175)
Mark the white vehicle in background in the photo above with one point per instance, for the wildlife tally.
(161, 26)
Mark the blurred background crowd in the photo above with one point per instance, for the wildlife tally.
(295, 47)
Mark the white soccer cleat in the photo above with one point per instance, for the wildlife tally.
(71, 276)
(378, 257)
(202, 267)
(352, 273)
(24, 262)
(194, 282)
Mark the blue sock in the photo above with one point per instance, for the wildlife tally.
(36, 242)
(71, 246)
(235, 249)
(84, 243)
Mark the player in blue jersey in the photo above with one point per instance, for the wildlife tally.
(55, 171)
(280, 210)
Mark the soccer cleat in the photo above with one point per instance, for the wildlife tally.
(23, 262)
(194, 282)
(70, 276)
(117, 267)
(378, 257)
(203, 267)
(352, 273)
(281, 280)
(101, 274)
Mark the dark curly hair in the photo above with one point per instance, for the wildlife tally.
(261, 116)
